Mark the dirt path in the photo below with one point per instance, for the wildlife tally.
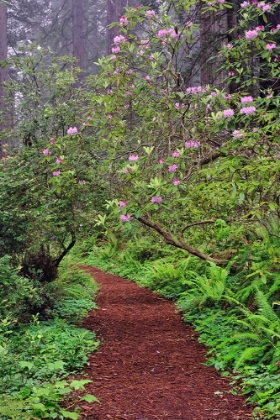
(150, 365)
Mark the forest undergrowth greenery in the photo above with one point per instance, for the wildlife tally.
(39, 352)
(143, 147)
(234, 309)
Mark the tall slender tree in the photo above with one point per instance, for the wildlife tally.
(115, 9)
(77, 33)
(3, 71)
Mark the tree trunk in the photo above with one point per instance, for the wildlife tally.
(3, 73)
(77, 33)
(115, 9)
(213, 33)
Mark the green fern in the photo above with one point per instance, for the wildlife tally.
(265, 309)
(13, 409)
(202, 288)
(249, 354)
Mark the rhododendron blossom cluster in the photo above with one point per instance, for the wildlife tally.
(156, 199)
(72, 130)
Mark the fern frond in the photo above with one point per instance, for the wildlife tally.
(13, 408)
(250, 353)
(265, 308)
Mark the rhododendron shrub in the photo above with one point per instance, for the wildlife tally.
(49, 183)
(186, 157)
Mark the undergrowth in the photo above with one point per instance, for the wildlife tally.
(235, 310)
(37, 357)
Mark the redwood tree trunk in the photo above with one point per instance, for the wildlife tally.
(77, 33)
(115, 9)
(3, 72)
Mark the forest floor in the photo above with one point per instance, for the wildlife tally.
(150, 365)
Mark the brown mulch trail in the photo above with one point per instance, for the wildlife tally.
(150, 365)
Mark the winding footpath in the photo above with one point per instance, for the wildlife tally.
(150, 365)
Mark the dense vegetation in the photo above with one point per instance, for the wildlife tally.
(180, 183)
(232, 311)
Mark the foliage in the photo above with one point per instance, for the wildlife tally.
(36, 358)
(46, 190)
(242, 341)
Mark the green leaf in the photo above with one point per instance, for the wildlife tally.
(70, 415)
(79, 384)
(90, 398)
(24, 364)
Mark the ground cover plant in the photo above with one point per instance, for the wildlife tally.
(142, 147)
(40, 352)
(242, 336)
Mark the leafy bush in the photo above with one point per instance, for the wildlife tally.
(73, 310)
(35, 359)
(15, 292)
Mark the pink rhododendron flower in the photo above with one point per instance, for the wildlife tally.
(259, 28)
(47, 152)
(227, 96)
(173, 33)
(124, 21)
(248, 110)
(109, 116)
(189, 24)
(133, 157)
(193, 89)
(126, 170)
(120, 39)
(161, 160)
(237, 134)
(231, 73)
(156, 200)
(150, 14)
(192, 144)
(266, 7)
(227, 113)
(176, 182)
(221, 1)
(247, 99)
(244, 4)
(162, 32)
(72, 130)
(116, 50)
(51, 141)
(125, 218)
(269, 96)
(179, 106)
(56, 173)
(152, 57)
(175, 154)
(251, 34)
(59, 160)
(229, 46)
(122, 203)
(172, 168)
(270, 47)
